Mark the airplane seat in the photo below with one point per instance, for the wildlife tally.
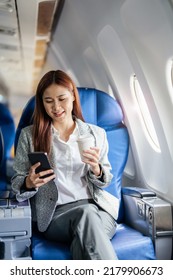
(1, 148)
(15, 217)
(100, 109)
(7, 127)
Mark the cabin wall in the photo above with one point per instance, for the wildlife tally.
(109, 45)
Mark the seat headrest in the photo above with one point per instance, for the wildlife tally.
(97, 107)
(6, 117)
(100, 108)
(7, 126)
(26, 118)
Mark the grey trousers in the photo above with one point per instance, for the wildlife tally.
(88, 229)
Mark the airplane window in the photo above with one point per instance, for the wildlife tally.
(172, 74)
(169, 77)
(145, 115)
(2, 99)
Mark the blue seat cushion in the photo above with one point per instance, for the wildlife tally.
(43, 249)
(128, 243)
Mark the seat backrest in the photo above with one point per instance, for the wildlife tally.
(7, 127)
(100, 109)
(1, 148)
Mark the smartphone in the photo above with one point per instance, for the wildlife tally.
(41, 157)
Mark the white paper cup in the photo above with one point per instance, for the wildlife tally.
(85, 143)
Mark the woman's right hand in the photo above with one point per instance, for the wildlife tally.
(34, 180)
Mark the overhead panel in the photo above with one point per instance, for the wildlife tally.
(10, 51)
(46, 11)
(25, 31)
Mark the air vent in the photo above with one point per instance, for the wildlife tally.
(7, 31)
(9, 60)
(6, 6)
(8, 47)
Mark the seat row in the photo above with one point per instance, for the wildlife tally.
(131, 241)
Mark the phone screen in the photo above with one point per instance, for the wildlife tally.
(43, 159)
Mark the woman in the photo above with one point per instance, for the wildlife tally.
(70, 204)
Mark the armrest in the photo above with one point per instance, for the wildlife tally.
(150, 215)
(15, 227)
(15, 217)
(135, 207)
(137, 192)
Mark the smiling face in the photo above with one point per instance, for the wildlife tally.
(58, 104)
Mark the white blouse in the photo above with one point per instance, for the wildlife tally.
(70, 170)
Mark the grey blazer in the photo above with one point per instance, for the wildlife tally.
(43, 200)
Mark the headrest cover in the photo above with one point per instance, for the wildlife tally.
(99, 108)
(7, 126)
(26, 118)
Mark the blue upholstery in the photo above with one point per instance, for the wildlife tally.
(1, 147)
(100, 109)
(105, 112)
(128, 243)
(7, 127)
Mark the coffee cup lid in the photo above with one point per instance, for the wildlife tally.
(83, 137)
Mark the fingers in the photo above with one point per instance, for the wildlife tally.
(34, 167)
(40, 180)
(35, 180)
(44, 174)
(91, 157)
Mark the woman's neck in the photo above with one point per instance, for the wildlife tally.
(65, 129)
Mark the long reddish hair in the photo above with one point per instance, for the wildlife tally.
(42, 122)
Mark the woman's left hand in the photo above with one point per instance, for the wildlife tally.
(91, 157)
